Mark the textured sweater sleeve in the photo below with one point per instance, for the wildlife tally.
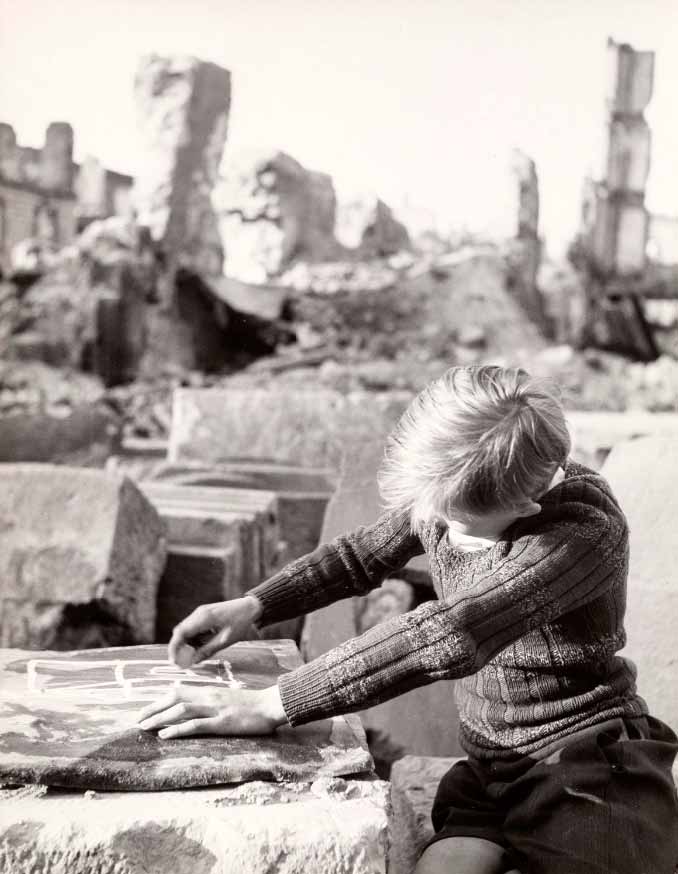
(571, 557)
(351, 564)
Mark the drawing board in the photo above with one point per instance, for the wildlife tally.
(69, 719)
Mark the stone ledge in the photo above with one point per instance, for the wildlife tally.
(333, 825)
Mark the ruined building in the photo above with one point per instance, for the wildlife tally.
(45, 195)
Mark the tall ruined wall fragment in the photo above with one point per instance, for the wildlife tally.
(183, 108)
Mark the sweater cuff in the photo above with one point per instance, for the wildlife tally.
(306, 695)
(277, 602)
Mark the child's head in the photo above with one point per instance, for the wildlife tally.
(476, 441)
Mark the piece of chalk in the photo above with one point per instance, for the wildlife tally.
(185, 656)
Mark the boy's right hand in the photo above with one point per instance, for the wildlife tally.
(212, 627)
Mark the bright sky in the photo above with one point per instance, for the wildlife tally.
(417, 100)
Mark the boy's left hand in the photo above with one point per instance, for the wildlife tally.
(189, 710)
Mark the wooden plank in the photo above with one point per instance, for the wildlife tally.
(69, 719)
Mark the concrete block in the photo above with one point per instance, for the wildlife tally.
(194, 575)
(414, 780)
(334, 826)
(643, 474)
(81, 554)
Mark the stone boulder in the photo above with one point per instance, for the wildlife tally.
(81, 554)
(271, 210)
(183, 107)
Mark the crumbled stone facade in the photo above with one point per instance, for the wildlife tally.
(40, 191)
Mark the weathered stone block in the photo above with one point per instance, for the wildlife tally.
(316, 428)
(194, 575)
(81, 554)
(643, 475)
(302, 493)
(414, 780)
(260, 541)
(335, 826)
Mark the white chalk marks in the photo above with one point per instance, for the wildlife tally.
(104, 682)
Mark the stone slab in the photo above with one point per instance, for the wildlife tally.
(260, 537)
(81, 554)
(195, 575)
(331, 825)
(69, 720)
(643, 474)
(314, 427)
(302, 493)
(414, 781)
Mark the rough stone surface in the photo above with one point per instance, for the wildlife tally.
(194, 575)
(183, 108)
(272, 209)
(643, 475)
(335, 826)
(414, 780)
(70, 719)
(313, 428)
(81, 553)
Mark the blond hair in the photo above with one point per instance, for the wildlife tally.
(476, 440)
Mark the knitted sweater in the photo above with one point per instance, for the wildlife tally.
(530, 627)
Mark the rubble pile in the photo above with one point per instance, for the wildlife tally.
(34, 387)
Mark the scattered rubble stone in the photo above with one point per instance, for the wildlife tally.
(366, 225)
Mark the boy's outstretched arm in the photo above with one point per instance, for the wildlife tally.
(351, 564)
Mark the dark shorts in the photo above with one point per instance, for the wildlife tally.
(603, 803)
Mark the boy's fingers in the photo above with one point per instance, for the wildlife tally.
(219, 641)
(178, 713)
(158, 706)
(192, 726)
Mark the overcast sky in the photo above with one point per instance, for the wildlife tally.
(416, 100)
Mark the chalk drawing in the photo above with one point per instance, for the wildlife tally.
(133, 680)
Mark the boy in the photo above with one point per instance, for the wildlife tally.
(566, 771)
